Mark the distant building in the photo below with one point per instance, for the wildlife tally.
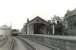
(5, 30)
(37, 26)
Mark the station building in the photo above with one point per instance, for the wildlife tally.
(37, 26)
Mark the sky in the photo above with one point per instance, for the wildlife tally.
(16, 12)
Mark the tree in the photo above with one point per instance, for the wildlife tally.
(57, 18)
(70, 22)
(58, 25)
(59, 28)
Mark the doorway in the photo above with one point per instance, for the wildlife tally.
(37, 27)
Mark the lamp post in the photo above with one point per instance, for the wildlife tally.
(53, 26)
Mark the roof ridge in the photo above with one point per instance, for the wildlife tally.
(39, 18)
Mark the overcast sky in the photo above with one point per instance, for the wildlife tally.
(16, 12)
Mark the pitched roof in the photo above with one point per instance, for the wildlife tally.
(37, 18)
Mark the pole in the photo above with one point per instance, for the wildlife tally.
(53, 29)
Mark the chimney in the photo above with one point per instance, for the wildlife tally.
(27, 20)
